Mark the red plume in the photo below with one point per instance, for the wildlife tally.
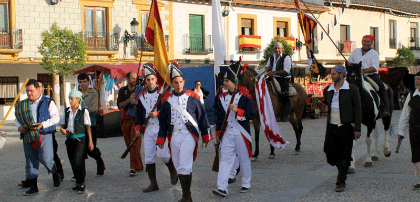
(243, 68)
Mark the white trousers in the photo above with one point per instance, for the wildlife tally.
(182, 149)
(234, 167)
(150, 147)
(231, 146)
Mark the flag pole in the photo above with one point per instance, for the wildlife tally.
(324, 31)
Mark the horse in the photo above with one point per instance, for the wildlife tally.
(297, 105)
(370, 101)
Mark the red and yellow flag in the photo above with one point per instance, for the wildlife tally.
(307, 24)
(155, 36)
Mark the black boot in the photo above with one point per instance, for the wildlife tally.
(56, 179)
(34, 187)
(285, 107)
(172, 172)
(151, 170)
(383, 108)
(25, 183)
(185, 181)
(343, 167)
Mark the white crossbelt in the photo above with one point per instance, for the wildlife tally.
(183, 112)
(237, 125)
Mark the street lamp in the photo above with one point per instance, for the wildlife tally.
(127, 37)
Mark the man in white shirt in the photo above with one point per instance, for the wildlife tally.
(410, 118)
(41, 114)
(369, 60)
(344, 110)
(279, 66)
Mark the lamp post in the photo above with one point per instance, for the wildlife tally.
(127, 37)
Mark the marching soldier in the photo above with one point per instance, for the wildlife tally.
(236, 141)
(148, 99)
(181, 118)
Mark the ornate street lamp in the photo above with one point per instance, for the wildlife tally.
(127, 37)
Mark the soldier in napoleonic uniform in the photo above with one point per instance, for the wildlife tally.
(236, 141)
(181, 118)
(147, 100)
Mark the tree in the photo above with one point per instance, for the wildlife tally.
(404, 58)
(269, 50)
(63, 52)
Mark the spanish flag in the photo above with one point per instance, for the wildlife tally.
(155, 36)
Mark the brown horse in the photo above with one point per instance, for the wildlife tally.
(297, 104)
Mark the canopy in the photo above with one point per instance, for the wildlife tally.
(118, 71)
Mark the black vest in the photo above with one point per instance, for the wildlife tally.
(414, 103)
(78, 123)
(280, 63)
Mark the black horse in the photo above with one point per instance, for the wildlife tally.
(370, 113)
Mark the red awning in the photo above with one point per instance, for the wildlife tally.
(117, 71)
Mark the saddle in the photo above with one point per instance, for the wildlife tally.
(275, 86)
(373, 83)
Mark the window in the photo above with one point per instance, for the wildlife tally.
(374, 33)
(196, 33)
(314, 39)
(344, 32)
(413, 36)
(96, 27)
(392, 34)
(144, 19)
(346, 46)
(8, 89)
(281, 29)
(4, 25)
(246, 27)
(4, 15)
(247, 33)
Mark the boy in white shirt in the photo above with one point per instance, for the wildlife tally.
(76, 125)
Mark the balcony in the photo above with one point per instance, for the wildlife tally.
(197, 44)
(101, 41)
(137, 45)
(11, 42)
(413, 43)
(346, 47)
(393, 43)
(249, 43)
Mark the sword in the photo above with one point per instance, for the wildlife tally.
(400, 139)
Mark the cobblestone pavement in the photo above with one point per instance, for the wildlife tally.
(303, 177)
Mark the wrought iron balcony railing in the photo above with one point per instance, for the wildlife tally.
(346, 47)
(101, 41)
(11, 38)
(197, 43)
(413, 43)
(137, 44)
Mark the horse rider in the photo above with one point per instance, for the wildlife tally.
(279, 66)
(369, 59)
(410, 118)
(342, 102)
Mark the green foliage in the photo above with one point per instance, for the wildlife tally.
(404, 58)
(269, 50)
(63, 51)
